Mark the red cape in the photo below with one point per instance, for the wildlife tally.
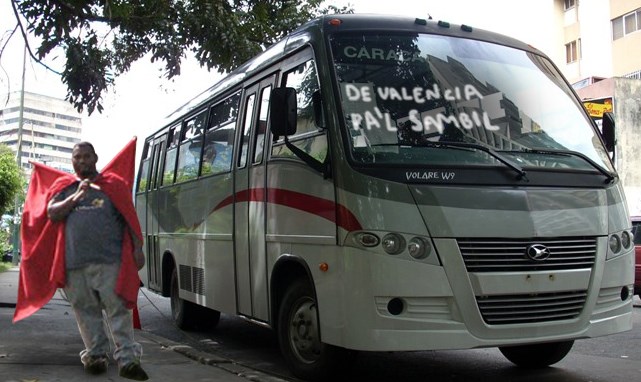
(42, 266)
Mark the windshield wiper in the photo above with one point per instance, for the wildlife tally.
(492, 152)
(608, 175)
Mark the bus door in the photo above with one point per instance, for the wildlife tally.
(141, 195)
(251, 261)
(151, 223)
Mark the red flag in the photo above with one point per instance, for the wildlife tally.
(136, 319)
(39, 277)
(42, 268)
(124, 163)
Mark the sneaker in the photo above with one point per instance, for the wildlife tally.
(134, 371)
(96, 365)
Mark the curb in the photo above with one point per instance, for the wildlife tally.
(210, 359)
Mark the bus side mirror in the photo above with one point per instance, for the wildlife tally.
(607, 131)
(283, 111)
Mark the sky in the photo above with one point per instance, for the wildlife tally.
(142, 97)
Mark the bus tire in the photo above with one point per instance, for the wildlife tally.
(537, 355)
(186, 314)
(299, 336)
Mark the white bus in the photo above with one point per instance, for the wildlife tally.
(375, 183)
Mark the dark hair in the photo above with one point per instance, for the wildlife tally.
(85, 144)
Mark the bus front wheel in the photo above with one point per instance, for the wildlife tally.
(186, 314)
(537, 355)
(299, 336)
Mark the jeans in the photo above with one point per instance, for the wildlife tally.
(90, 290)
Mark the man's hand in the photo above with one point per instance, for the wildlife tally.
(139, 257)
(58, 210)
(81, 191)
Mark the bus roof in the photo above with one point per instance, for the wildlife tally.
(347, 22)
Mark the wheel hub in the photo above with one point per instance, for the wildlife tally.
(304, 332)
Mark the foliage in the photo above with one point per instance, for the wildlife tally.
(5, 266)
(102, 38)
(10, 178)
(5, 244)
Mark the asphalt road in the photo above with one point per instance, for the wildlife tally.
(607, 359)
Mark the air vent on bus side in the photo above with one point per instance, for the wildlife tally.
(192, 279)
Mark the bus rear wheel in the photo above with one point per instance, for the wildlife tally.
(299, 337)
(186, 314)
(537, 355)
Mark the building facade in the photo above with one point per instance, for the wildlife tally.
(626, 36)
(50, 128)
(600, 54)
(597, 39)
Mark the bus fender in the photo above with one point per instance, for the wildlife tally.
(287, 269)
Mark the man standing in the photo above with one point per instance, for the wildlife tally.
(98, 219)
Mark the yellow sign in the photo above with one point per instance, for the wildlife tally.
(597, 109)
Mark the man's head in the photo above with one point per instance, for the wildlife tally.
(84, 158)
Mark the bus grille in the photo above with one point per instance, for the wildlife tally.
(525, 309)
(509, 255)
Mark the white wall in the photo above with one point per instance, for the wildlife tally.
(627, 112)
(596, 38)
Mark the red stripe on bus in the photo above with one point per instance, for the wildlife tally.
(324, 208)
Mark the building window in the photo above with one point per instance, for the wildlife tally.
(567, 4)
(572, 51)
(630, 22)
(617, 28)
(626, 24)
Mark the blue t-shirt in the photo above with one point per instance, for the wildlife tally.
(93, 230)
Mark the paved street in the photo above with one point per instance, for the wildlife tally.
(44, 347)
(605, 359)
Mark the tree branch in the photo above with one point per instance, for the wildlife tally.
(26, 41)
(4, 46)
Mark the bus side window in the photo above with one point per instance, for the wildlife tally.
(190, 148)
(249, 112)
(169, 164)
(262, 124)
(219, 139)
(308, 137)
(143, 174)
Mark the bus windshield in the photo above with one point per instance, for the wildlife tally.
(421, 99)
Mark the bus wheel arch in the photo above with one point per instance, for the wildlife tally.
(286, 271)
(298, 329)
(168, 265)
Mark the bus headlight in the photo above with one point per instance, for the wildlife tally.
(619, 243)
(419, 248)
(614, 243)
(626, 240)
(367, 239)
(393, 243)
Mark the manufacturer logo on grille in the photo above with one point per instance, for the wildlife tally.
(537, 252)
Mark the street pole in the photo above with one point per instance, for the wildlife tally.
(17, 210)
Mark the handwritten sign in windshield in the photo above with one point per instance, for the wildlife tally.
(374, 118)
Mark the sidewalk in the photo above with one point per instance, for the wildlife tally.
(45, 347)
